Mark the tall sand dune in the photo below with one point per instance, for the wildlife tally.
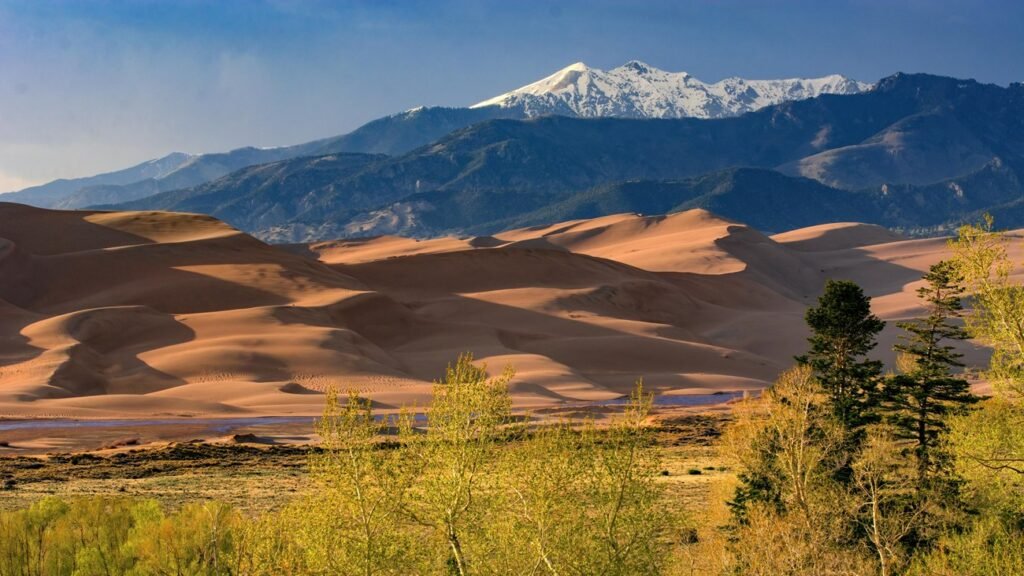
(142, 314)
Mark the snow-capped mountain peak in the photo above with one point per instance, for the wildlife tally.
(638, 67)
(560, 81)
(639, 90)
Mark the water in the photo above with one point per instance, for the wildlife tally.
(215, 424)
(224, 425)
(679, 399)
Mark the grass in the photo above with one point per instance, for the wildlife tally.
(253, 478)
(689, 443)
(256, 478)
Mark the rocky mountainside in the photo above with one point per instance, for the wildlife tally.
(621, 92)
(954, 147)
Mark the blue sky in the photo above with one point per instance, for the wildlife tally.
(89, 86)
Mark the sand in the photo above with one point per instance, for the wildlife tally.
(160, 315)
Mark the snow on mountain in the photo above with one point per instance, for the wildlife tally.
(637, 90)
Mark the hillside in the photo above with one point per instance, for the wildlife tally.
(400, 133)
(944, 150)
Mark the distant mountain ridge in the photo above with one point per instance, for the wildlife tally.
(918, 151)
(172, 172)
(638, 90)
(51, 193)
(642, 91)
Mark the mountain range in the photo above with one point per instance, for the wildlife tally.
(638, 90)
(915, 152)
(642, 90)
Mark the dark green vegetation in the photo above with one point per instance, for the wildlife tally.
(843, 333)
(918, 152)
(251, 477)
(919, 401)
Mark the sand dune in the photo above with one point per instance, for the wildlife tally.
(139, 314)
(836, 236)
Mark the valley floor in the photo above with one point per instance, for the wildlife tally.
(258, 469)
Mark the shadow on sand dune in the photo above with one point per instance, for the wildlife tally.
(81, 303)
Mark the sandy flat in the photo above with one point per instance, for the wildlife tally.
(148, 314)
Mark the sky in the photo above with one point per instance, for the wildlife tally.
(88, 86)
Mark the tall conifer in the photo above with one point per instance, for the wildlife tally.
(919, 401)
(843, 332)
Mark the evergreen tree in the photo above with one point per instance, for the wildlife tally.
(843, 332)
(919, 401)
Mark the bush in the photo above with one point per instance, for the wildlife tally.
(103, 535)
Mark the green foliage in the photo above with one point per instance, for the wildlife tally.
(625, 500)
(352, 520)
(583, 500)
(962, 512)
(197, 539)
(474, 492)
(785, 447)
(843, 332)
(276, 544)
(547, 522)
(884, 498)
(919, 401)
(988, 449)
(997, 315)
(452, 460)
(29, 542)
(992, 546)
(790, 515)
(989, 444)
(115, 536)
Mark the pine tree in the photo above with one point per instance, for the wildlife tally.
(843, 332)
(919, 401)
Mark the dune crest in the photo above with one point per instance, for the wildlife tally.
(140, 313)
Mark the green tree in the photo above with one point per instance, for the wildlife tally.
(882, 493)
(275, 543)
(996, 317)
(786, 446)
(992, 546)
(919, 401)
(94, 531)
(197, 539)
(581, 499)
(353, 521)
(989, 445)
(630, 520)
(843, 332)
(548, 523)
(28, 546)
(790, 442)
(454, 457)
